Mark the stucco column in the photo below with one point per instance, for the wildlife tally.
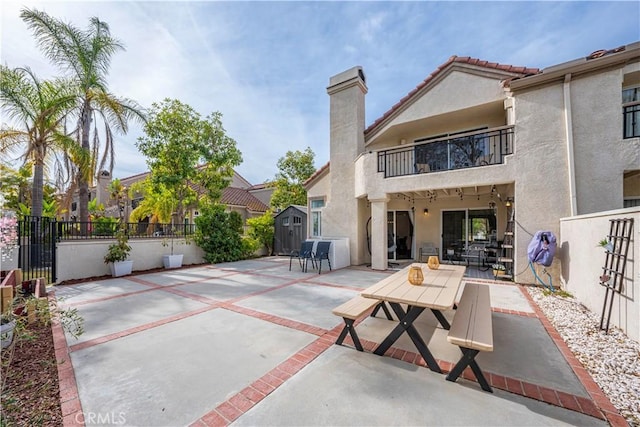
(379, 233)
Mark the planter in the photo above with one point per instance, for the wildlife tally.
(6, 333)
(121, 268)
(497, 273)
(172, 261)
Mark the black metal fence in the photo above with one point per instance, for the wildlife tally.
(37, 247)
(37, 238)
(106, 228)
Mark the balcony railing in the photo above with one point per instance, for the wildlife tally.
(467, 150)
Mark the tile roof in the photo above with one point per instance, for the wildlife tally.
(522, 71)
(241, 197)
(317, 173)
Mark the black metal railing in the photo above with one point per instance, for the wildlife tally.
(37, 247)
(473, 149)
(107, 229)
(631, 121)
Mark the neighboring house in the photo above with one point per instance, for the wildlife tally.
(290, 229)
(443, 163)
(240, 196)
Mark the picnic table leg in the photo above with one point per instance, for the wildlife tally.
(406, 325)
(384, 308)
(351, 330)
(468, 359)
(443, 321)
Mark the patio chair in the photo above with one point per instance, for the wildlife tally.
(304, 255)
(428, 249)
(322, 252)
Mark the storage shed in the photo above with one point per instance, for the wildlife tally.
(290, 229)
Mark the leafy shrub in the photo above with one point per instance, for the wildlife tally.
(105, 226)
(219, 234)
(262, 230)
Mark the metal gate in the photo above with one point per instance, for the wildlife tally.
(37, 253)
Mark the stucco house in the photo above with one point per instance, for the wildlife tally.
(476, 149)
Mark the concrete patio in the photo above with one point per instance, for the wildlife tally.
(251, 343)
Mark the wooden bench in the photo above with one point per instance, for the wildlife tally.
(351, 310)
(472, 331)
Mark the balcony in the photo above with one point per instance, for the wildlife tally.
(460, 151)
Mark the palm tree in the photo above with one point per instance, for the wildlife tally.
(38, 108)
(86, 56)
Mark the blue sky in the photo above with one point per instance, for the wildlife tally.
(266, 65)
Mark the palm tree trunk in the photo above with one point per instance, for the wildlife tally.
(36, 189)
(83, 184)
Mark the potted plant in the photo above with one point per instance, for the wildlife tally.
(173, 260)
(498, 269)
(7, 326)
(606, 244)
(117, 254)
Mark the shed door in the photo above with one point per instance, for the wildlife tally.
(296, 231)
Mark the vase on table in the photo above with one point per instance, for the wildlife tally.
(415, 275)
(433, 263)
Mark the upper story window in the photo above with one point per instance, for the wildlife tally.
(631, 112)
(316, 217)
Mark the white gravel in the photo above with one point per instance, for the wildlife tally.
(612, 359)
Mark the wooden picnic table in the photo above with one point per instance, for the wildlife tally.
(437, 293)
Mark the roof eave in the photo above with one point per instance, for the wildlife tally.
(577, 67)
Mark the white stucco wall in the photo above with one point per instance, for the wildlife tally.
(83, 259)
(582, 262)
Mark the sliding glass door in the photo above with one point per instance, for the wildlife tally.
(465, 226)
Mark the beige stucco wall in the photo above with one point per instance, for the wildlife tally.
(582, 261)
(602, 154)
(340, 216)
(80, 260)
(452, 94)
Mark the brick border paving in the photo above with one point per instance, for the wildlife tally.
(230, 410)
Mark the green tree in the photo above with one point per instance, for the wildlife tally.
(14, 185)
(185, 152)
(38, 108)
(157, 203)
(86, 56)
(262, 229)
(294, 169)
(117, 192)
(219, 234)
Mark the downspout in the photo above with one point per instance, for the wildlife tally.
(568, 124)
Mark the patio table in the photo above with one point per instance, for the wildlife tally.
(437, 293)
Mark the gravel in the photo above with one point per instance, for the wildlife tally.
(612, 359)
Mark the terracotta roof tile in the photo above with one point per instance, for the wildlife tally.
(316, 173)
(241, 197)
(458, 59)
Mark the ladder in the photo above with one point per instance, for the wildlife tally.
(506, 249)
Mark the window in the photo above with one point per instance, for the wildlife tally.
(74, 206)
(631, 202)
(285, 221)
(631, 112)
(297, 220)
(316, 217)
